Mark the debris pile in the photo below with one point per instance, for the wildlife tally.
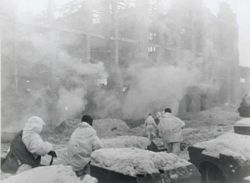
(67, 127)
(215, 116)
(204, 133)
(126, 141)
(103, 127)
(111, 127)
(139, 130)
(133, 161)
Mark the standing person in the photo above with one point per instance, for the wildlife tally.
(244, 109)
(27, 148)
(157, 117)
(151, 127)
(83, 142)
(170, 130)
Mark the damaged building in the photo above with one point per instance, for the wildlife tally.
(151, 32)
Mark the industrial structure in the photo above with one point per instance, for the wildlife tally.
(120, 32)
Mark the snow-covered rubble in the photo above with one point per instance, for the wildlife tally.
(49, 174)
(67, 127)
(110, 127)
(215, 116)
(103, 127)
(126, 141)
(139, 130)
(204, 133)
(230, 144)
(133, 161)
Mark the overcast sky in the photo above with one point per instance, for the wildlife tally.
(240, 7)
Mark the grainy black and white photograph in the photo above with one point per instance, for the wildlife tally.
(125, 91)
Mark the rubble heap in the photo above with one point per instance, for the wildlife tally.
(216, 116)
(103, 127)
(126, 141)
(110, 127)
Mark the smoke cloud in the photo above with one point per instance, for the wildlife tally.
(155, 88)
(53, 84)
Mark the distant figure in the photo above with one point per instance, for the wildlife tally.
(27, 148)
(244, 109)
(157, 117)
(151, 127)
(170, 130)
(83, 142)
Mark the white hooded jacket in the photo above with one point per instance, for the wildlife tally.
(82, 143)
(32, 139)
(170, 128)
(150, 124)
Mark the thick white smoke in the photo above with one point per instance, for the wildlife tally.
(57, 83)
(70, 103)
(155, 88)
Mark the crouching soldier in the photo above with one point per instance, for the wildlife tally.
(83, 142)
(27, 148)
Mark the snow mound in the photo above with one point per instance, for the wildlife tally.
(247, 178)
(204, 133)
(110, 127)
(230, 144)
(133, 161)
(103, 127)
(126, 141)
(68, 126)
(243, 122)
(49, 174)
(139, 130)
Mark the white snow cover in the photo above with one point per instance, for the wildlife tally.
(49, 174)
(134, 161)
(231, 144)
(247, 178)
(243, 122)
(126, 141)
